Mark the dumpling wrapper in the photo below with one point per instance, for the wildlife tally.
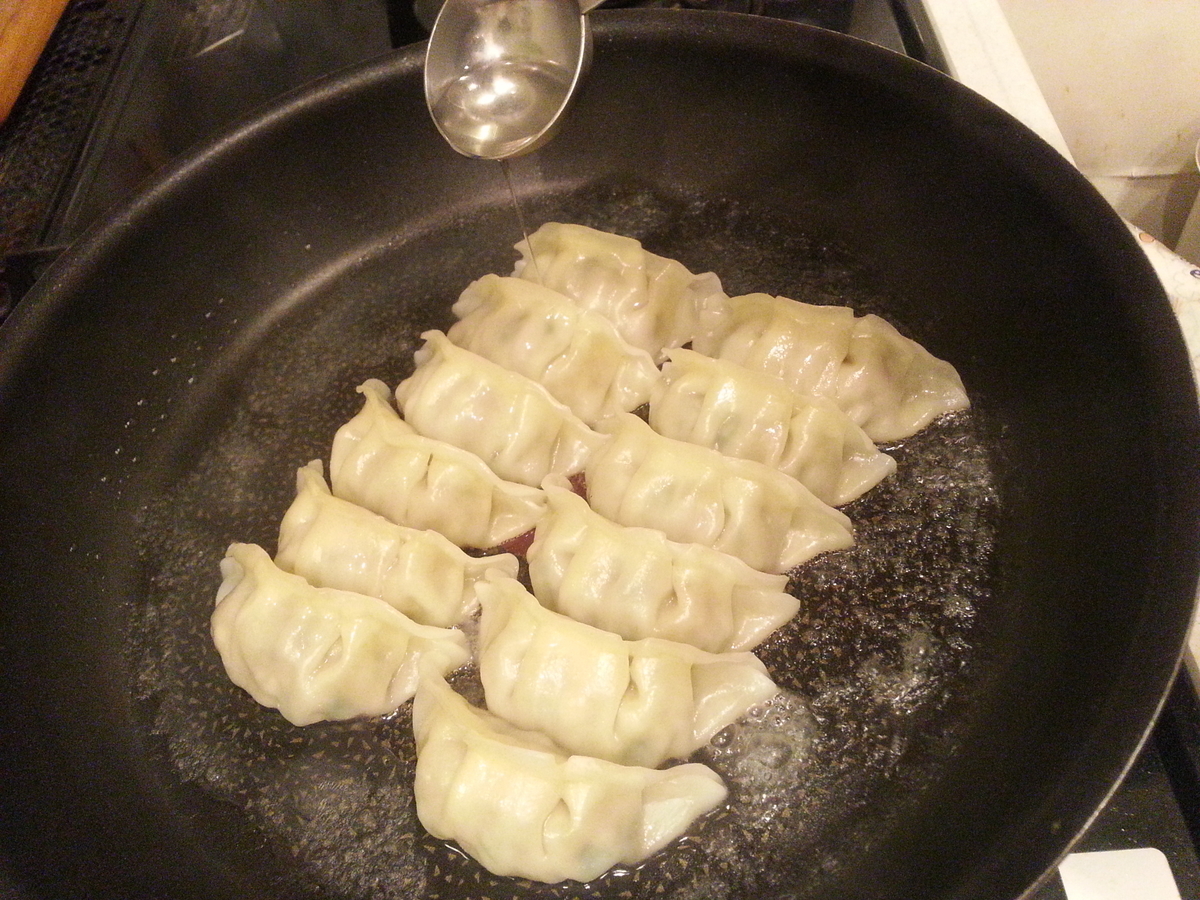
(596, 694)
(637, 583)
(331, 542)
(509, 421)
(319, 654)
(576, 354)
(751, 415)
(891, 386)
(653, 301)
(522, 807)
(696, 495)
(379, 462)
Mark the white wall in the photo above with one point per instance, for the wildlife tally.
(1122, 78)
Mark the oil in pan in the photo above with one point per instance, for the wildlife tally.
(873, 669)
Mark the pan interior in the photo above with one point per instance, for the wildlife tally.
(877, 668)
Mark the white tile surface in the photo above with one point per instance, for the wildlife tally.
(1121, 78)
(1142, 874)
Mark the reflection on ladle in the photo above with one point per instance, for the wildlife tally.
(499, 74)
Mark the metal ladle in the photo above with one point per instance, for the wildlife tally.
(500, 73)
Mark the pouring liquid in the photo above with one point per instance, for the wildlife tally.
(512, 193)
(495, 108)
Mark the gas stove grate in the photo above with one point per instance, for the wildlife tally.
(42, 138)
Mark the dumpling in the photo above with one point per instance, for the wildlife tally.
(653, 301)
(522, 807)
(319, 654)
(511, 422)
(593, 693)
(740, 412)
(800, 343)
(893, 386)
(637, 583)
(576, 354)
(332, 542)
(697, 495)
(888, 384)
(379, 462)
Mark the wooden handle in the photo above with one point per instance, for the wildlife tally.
(25, 26)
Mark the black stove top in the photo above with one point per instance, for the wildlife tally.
(125, 86)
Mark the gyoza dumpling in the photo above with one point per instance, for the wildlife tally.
(652, 300)
(800, 343)
(697, 495)
(522, 807)
(511, 422)
(893, 386)
(740, 412)
(334, 543)
(889, 385)
(576, 354)
(319, 654)
(633, 702)
(379, 462)
(637, 583)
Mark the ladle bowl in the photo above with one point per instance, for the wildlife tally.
(499, 74)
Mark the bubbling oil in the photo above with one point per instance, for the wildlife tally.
(882, 638)
(869, 669)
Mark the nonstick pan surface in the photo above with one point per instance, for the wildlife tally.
(962, 689)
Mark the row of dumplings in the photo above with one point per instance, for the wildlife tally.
(648, 591)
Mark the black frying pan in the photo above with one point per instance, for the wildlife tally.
(969, 682)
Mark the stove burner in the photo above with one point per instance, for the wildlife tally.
(42, 139)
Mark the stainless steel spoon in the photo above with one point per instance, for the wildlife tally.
(500, 73)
